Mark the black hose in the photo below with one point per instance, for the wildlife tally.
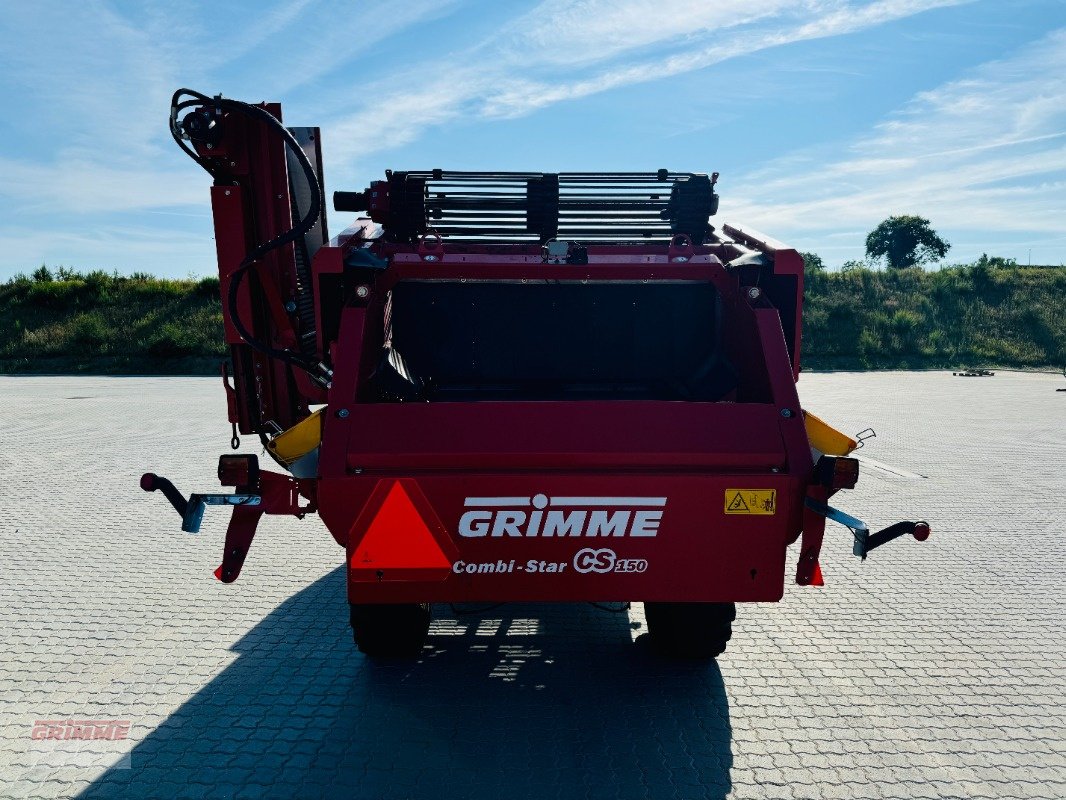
(221, 176)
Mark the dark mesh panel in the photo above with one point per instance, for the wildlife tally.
(481, 340)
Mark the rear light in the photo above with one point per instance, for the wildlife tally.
(835, 472)
(238, 470)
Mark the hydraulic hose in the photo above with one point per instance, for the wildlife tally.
(291, 357)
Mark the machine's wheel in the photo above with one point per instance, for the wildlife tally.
(690, 630)
(392, 630)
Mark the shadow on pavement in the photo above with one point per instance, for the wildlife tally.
(518, 701)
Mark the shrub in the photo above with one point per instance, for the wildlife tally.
(89, 334)
(208, 287)
(172, 340)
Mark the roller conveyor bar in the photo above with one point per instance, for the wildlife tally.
(615, 206)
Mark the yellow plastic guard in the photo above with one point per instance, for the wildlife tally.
(826, 439)
(300, 439)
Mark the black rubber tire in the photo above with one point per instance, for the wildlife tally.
(390, 630)
(690, 630)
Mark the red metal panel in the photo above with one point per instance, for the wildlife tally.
(565, 435)
(789, 262)
(231, 244)
(523, 268)
(682, 547)
(783, 387)
(338, 421)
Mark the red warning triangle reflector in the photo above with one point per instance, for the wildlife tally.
(398, 538)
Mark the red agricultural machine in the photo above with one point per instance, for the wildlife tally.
(513, 386)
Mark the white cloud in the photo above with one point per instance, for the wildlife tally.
(80, 186)
(300, 48)
(127, 248)
(802, 21)
(531, 64)
(985, 152)
(565, 32)
(86, 78)
(101, 82)
(93, 85)
(256, 30)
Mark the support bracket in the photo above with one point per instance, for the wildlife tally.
(865, 542)
(271, 494)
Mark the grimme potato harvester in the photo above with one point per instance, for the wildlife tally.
(513, 386)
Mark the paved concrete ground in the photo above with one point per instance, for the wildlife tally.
(932, 670)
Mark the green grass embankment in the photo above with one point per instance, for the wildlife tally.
(105, 324)
(972, 315)
(1007, 317)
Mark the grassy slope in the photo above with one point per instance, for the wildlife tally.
(960, 316)
(102, 324)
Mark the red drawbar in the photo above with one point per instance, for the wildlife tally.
(399, 539)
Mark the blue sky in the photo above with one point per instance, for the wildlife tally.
(823, 116)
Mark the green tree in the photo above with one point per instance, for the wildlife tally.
(812, 262)
(905, 241)
(995, 262)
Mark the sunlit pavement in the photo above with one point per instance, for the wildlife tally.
(932, 670)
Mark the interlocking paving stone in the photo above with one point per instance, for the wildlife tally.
(932, 670)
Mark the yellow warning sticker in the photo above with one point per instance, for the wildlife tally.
(751, 501)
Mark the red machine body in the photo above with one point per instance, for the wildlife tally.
(535, 386)
(689, 455)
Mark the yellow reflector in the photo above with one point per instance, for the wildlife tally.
(826, 439)
(299, 440)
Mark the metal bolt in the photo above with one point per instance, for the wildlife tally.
(227, 193)
(233, 163)
(754, 292)
(342, 413)
(290, 306)
(362, 292)
(786, 412)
